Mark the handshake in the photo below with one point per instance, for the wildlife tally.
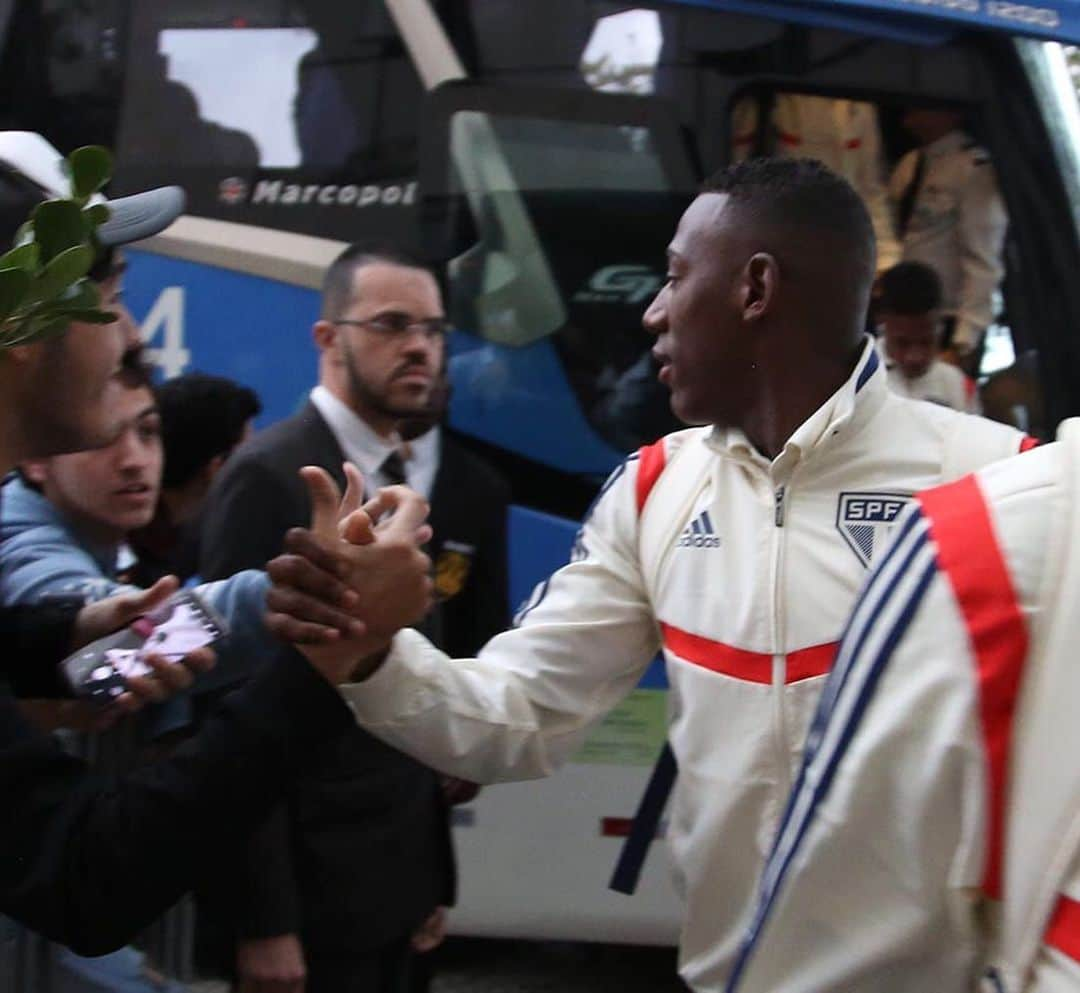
(345, 585)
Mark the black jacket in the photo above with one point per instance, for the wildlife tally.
(90, 860)
(361, 852)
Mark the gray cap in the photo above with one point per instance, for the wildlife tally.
(31, 170)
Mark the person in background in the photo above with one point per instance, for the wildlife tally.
(950, 216)
(321, 903)
(64, 522)
(908, 309)
(203, 418)
(841, 134)
(89, 859)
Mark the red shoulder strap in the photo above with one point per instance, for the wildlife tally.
(969, 554)
(651, 461)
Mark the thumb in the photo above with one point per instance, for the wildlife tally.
(354, 492)
(325, 500)
(131, 605)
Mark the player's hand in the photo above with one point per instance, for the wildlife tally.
(96, 620)
(353, 579)
(271, 965)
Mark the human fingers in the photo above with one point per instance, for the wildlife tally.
(409, 511)
(354, 491)
(172, 675)
(318, 579)
(295, 632)
(310, 610)
(103, 617)
(145, 689)
(200, 660)
(136, 604)
(321, 551)
(358, 528)
(325, 500)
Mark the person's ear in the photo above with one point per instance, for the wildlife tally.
(759, 285)
(35, 470)
(325, 334)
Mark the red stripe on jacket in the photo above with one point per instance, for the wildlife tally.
(1064, 930)
(752, 667)
(969, 555)
(651, 462)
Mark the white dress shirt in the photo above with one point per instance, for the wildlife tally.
(367, 449)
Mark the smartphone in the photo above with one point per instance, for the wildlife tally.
(181, 624)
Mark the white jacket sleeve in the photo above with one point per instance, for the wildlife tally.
(872, 884)
(1057, 966)
(524, 705)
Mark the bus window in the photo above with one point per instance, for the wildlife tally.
(570, 215)
(300, 117)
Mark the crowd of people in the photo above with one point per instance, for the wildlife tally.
(869, 665)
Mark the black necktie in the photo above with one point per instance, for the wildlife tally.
(906, 207)
(393, 469)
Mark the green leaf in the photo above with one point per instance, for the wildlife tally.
(62, 271)
(83, 295)
(91, 167)
(13, 285)
(58, 226)
(24, 257)
(97, 214)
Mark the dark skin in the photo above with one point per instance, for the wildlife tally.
(756, 328)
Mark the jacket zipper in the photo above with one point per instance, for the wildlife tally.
(779, 662)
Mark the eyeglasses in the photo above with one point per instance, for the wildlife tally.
(395, 325)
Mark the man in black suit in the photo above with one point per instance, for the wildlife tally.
(359, 859)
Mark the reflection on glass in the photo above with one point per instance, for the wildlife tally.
(243, 79)
(623, 52)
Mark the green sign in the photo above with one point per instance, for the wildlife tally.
(632, 734)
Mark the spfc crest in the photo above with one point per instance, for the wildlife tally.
(866, 520)
(452, 568)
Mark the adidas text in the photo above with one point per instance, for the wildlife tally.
(699, 541)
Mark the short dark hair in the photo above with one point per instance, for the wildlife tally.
(202, 417)
(800, 195)
(338, 282)
(910, 289)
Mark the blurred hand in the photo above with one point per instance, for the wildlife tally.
(96, 620)
(432, 933)
(345, 586)
(271, 965)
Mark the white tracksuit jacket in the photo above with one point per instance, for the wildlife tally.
(744, 571)
(933, 841)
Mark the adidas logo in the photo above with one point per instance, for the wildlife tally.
(699, 533)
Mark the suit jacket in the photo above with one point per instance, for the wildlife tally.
(361, 852)
(469, 504)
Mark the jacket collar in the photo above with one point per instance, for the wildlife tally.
(842, 415)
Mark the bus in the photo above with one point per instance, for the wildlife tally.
(540, 153)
